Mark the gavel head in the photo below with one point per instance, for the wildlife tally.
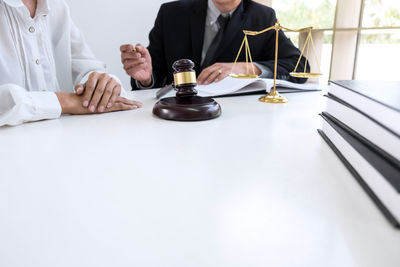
(184, 78)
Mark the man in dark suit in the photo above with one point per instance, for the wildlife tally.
(210, 33)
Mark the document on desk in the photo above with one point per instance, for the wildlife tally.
(234, 86)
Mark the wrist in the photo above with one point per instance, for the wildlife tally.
(146, 83)
(257, 69)
(65, 103)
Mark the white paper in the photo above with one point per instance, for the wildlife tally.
(231, 86)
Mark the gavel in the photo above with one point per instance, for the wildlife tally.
(186, 105)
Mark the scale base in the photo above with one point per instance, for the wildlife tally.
(243, 76)
(192, 108)
(274, 97)
(305, 75)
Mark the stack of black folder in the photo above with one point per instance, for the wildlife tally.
(362, 126)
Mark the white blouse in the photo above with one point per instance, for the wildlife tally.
(39, 56)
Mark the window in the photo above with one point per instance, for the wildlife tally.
(381, 13)
(320, 14)
(356, 39)
(379, 47)
(296, 14)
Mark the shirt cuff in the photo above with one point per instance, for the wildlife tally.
(18, 105)
(140, 86)
(46, 105)
(265, 71)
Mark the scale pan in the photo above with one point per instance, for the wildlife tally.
(243, 76)
(305, 75)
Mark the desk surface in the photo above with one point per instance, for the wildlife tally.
(256, 187)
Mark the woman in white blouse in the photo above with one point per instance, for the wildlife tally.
(43, 58)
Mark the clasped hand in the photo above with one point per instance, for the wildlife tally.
(220, 71)
(72, 104)
(100, 93)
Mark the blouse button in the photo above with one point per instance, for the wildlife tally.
(31, 29)
(37, 62)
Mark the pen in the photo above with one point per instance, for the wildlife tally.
(163, 91)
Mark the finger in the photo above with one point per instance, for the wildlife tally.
(136, 65)
(129, 102)
(126, 48)
(211, 78)
(113, 99)
(121, 106)
(89, 88)
(143, 51)
(138, 72)
(206, 73)
(203, 75)
(116, 92)
(118, 106)
(221, 76)
(129, 55)
(79, 89)
(140, 48)
(99, 91)
(133, 62)
(108, 92)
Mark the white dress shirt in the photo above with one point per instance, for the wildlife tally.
(38, 57)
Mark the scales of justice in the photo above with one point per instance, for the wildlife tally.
(274, 96)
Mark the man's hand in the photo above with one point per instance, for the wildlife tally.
(137, 63)
(99, 92)
(72, 104)
(219, 71)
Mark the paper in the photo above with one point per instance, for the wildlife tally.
(232, 86)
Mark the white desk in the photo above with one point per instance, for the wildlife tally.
(256, 187)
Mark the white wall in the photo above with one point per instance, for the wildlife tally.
(107, 24)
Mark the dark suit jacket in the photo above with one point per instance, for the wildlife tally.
(178, 33)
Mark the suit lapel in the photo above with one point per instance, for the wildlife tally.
(234, 28)
(197, 27)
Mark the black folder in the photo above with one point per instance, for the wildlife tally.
(374, 157)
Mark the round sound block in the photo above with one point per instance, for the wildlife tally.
(193, 108)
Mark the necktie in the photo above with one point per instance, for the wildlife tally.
(212, 50)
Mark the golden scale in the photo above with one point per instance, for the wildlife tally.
(274, 96)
